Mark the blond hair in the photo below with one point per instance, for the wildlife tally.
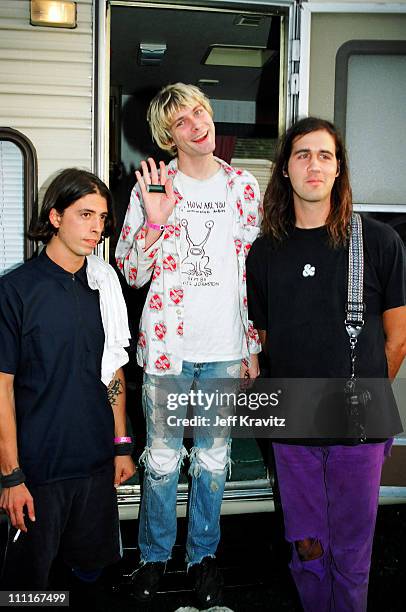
(168, 101)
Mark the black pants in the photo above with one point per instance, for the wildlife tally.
(77, 518)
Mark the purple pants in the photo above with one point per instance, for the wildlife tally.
(331, 494)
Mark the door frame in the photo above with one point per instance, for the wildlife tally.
(102, 29)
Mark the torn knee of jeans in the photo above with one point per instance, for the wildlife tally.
(309, 549)
(157, 469)
(208, 464)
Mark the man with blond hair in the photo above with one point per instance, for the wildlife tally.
(191, 242)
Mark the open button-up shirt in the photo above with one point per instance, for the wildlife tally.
(159, 347)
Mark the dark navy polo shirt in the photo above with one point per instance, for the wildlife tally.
(51, 339)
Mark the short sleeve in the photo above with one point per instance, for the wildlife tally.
(394, 273)
(10, 328)
(257, 291)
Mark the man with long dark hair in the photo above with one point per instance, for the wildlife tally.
(63, 443)
(297, 291)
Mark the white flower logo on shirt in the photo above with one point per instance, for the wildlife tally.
(309, 270)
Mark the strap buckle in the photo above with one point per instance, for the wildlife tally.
(354, 320)
(354, 328)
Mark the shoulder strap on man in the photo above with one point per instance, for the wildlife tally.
(355, 309)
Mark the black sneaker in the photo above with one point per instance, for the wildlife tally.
(146, 580)
(208, 582)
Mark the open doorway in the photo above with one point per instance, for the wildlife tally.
(236, 58)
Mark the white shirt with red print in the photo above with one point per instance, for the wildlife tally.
(159, 348)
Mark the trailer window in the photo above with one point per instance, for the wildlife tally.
(18, 190)
(370, 110)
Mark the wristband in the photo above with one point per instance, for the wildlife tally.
(14, 479)
(154, 226)
(123, 439)
(124, 448)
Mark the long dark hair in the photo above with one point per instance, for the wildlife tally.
(65, 189)
(279, 215)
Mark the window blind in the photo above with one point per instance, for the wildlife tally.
(11, 206)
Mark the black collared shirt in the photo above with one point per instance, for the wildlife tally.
(51, 339)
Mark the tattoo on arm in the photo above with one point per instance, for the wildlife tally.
(114, 389)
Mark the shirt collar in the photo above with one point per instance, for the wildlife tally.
(227, 169)
(60, 273)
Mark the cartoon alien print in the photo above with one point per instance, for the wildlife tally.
(196, 261)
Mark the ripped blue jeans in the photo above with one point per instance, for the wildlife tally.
(163, 457)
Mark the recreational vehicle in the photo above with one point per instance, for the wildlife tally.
(77, 77)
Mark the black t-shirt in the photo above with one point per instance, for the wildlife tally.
(52, 339)
(297, 292)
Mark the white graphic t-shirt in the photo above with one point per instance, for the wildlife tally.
(213, 329)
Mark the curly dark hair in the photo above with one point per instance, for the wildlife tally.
(279, 216)
(65, 189)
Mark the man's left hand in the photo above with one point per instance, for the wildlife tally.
(124, 469)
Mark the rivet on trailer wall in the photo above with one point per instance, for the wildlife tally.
(53, 13)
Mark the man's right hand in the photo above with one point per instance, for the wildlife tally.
(13, 500)
(158, 206)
